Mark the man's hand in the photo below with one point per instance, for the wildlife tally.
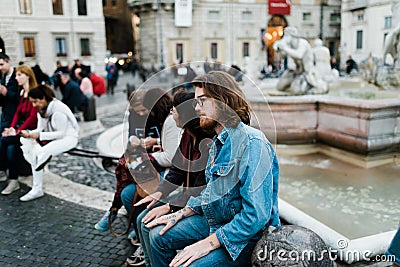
(195, 251)
(3, 90)
(156, 213)
(153, 198)
(171, 219)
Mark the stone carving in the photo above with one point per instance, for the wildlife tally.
(322, 62)
(282, 246)
(301, 77)
(392, 46)
(369, 67)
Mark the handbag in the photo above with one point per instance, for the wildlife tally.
(146, 178)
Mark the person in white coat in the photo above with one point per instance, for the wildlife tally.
(57, 132)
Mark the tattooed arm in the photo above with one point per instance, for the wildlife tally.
(195, 251)
(171, 219)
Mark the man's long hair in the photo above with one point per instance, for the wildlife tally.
(231, 103)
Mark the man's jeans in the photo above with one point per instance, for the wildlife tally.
(186, 232)
(144, 234)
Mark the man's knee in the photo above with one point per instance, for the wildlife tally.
(156, 240)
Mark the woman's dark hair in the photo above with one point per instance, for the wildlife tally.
(84, 73)
(231, 102)
(159, 102)
(183, 100)
(42, 92)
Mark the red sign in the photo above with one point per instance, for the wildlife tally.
(279, 7)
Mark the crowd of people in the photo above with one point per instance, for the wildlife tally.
(199, 183)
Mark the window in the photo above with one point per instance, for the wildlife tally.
(29, 47)
(214, 50)
(104, 3)
(335, 17)
(82, 10)
(247, 15)
(246, 52)
(213, 15)
(85, 47)
(179, 51)
(114, 2)
(307, 16)
(57, 7)
(359, 39)
(388, 22)
(25, 7)
(61, 47)
(360, 17)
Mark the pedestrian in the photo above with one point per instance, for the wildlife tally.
(25, 118)
(78, 64)
(57, 131)
(72, 94)
(112, 76)
(86, 85)
(221, 226)
(9, 97)
(9, 91)
(187, 170)
(351, 65)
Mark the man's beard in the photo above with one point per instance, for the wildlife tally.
(208, 125)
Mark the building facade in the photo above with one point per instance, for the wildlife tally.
(118, 22)
(230, 32)
(365, 25)
(45, 31)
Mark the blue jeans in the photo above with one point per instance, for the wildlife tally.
(186, 232)
(394, 247)
(127, 195)
(9, 152)
(144, 233)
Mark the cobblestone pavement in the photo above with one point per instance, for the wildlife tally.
(52, 232)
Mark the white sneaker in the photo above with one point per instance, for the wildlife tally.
(33, 194)
(12, 186)
(3, 176)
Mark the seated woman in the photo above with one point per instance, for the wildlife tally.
(25, 118)
(187, 169)
(149, 116)
(57, 129)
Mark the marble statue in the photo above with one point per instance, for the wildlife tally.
(392, 46)
(322, 62)
(301, 77)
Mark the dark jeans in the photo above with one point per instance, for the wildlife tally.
(10, 151)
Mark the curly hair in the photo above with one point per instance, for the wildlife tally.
(231, 102)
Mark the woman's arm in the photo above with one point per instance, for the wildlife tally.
(59, 122)
(171, 136)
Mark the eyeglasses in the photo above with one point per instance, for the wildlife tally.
(200, 100)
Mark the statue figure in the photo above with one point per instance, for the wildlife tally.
(322, 58)
(369, 67)
(301, 77)
(392, 46)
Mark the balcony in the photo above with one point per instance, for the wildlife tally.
(354, 5)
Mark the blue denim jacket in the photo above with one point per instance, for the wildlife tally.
(241, 197)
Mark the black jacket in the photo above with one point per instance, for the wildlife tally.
(10, 101)
(73, 96)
